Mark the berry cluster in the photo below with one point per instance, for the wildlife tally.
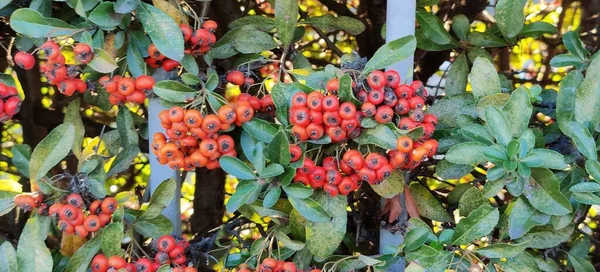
(170, 252)
(315, 115)
(74, 219)
(239, 78)
(273, 265)
(10, 102)
(197, 42)
(193, 140)
(408, 154)
(65, 77)
(264, 104)
(126, 89)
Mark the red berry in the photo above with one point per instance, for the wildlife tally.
(392, 78)
(83, 53)
(166, 243)
(24, 60)
(236, 77)
(376, 80)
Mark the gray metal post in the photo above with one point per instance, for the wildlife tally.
(159, 173)
(400, 22)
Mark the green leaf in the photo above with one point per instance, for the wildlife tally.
(471, 200)
(518, 110)
(155, 227)
(391, 53)
(189, 63)
(32, 253)
(272, 170)
(278, 150)
(497, 123)
(272, 197)
(21, 158)
(160, 199)
(545, 158)
(425, 3)
(523, 217)
(586, 198)
(174, 91)
(591, 166)
(536, 29)
(345, 90)
(574, 45)
(310, 209)
(475, 132)
(102, 62)
(510, 16)
(546, 236)
(581, 137)
(449, 108)
(497, 100)
(51, 150)
(587, 97)
(502, 250)
(564, 60)
(135, 62)
(447, 170)
(429, 206)
(485, 39)
(126, 6)
(245, 193)
(391, 186)
(565, 101)
(329, 23)
(8, 258)
(544, 194)
(80, 261)
(128, 136)
(94, 168)
(580, 264)
(262, 23)
(287, 242)
(426, 44)
(433, 27)
(286, 17)
(104, 16)
(461, 26)
(260, 129)
(111, 239)
(298, 190)
(484, 79)
(160, 27)
(456, 81)
(236, 167)
(31, 23)
(382, 135)
(253, 41)
(467, 153)
(323, 238)
(523, 262)
(479, 223)
(123, 160)
(415, 238)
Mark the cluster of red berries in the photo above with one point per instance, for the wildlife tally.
(197, 42)
(65, 77)
(193, 140)
(264, 104)
(239, 78)
(126, 89)
(30, 201)
(170, 252)
(409, 154)
(314, 115)
(10, 102)
(73, 218)
(273, 265)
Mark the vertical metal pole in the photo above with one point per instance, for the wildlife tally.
(159, 173)
(400, 22)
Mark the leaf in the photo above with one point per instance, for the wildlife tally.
(565, 101)
(310, 209)
(497, 123)
(381, 135)
(323, 238)
(72, 117)
(461, 26)
(51, 150)
(475, 132)
(427, 205)
(31, 23)
(21, 158)
(574, 45)
(581, 137)
(518, 110)
(253, 41)
(586, 198)
(547, 159)
(260, 129)
(485, 39)
(523, 262)
(391, 53)
(172, 9)
(544, 194)
(329, 23)
(161, 197)
(449, 108)
(471, 200)
(245, 193)
(424, 3)
(479, 223)
(391, 186)
(286, 17)
(282, 94)
(467, 153)
(272, 170)
(456, 81)
(111, 239)
(484, 79)
(102, 62)
(159, 26)
(272, 197)
(278, 150)
(94, 168)
(587, 97)
(447, 170)
(32, 253)
(591, 166)
(262, 23)
(8, 258)
(536, 29)
(564, 60)
(174, 91)
(497, 100)
(415, 238)
(104, 16)
(155, 227)
(523, 217)
(236, 167)
(287, 242)
(345, 91)
(433, 27)
(298, 190)
(123, 160)
(502, 250)
(510, 16)
(126, 6)
(80, 261)
(546, 236)
(580, 264)
(426, 44)
(189, 63)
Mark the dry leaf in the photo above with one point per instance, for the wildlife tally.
(392, 208)
(70, 243)
(171, 10)
(411, 206)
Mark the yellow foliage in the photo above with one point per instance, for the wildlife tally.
(171, 10)
(70, 243)
(10, 186)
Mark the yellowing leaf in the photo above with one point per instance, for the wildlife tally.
(171, 10)
(8, 185)
(70, 243)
